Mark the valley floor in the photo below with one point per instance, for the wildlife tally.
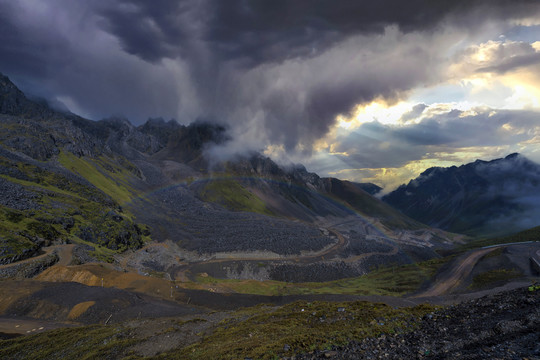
(145, 315)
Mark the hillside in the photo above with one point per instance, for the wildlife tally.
(483, 198)
(110, 186)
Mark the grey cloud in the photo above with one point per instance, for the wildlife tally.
(518, 181)
(513, 63)
(58, 53)
(415, 112)
(27, 50)
(303, 107)
(375, 145)
(499, 57)
(459, 130)
(372, 146)
(152, 30)
(260, 31)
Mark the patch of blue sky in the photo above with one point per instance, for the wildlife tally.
(444, 93)
(528, 34)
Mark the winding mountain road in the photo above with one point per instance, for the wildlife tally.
(459, 271)
(461, 268)
(64, 253)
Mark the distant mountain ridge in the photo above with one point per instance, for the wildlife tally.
(480, 198)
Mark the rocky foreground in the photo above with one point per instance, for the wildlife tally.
(500, 326)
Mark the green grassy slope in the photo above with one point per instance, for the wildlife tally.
(388, 281)
(229, 193)
(88, 342)
(101, 172)
(259, 332)
(65, 210)
(303, 326)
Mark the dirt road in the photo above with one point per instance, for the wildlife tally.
(460, 270)
(64, 253)
(313, 257)
(47, 251)
(322, 255)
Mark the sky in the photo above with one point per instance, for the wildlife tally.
(372, 91)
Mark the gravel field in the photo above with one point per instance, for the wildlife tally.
(207, 228)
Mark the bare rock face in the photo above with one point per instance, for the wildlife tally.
(28, 269)
(41, 132)
(160, 131)
(12, 100)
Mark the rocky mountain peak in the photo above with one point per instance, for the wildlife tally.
(160, 122)
(201, 132)
(299, 172)
(12, 100)
(119, 124)
(513, 156)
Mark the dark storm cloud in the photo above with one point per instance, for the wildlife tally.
(260, 31)
(152, 30)
(54, 51)
(513, 63)
(27, 50)
(284, 69)
(229, 46)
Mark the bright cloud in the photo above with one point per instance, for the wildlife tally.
(495, 110)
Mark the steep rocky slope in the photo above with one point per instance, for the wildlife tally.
(49, 192)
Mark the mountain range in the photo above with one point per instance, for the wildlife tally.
(110, 187)
(483, 198)
(113, 186)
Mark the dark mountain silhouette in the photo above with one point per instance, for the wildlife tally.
(481, 198)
